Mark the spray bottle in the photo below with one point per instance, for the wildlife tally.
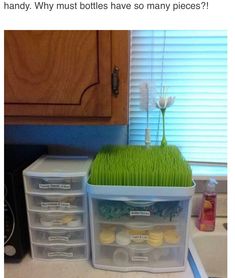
(207, 215)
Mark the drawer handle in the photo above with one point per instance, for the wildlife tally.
(115, 81)
(58, 238)
(139, 203)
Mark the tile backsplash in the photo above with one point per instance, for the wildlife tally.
(67, 139)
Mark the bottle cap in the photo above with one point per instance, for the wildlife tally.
(211, 185)
(120, 257)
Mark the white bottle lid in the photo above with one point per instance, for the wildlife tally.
(211, 185)
(120, 257)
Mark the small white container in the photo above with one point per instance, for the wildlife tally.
(157, 219)
(55, 190)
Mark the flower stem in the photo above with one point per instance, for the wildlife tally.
(163, 142)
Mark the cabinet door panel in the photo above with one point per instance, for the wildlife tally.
(58, 73)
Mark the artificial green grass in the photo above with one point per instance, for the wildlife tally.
(140, 166)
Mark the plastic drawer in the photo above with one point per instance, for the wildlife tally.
(53, 236)
(158, 235)
(59, 252)
(117, 246)
(54, 184)
(56, 219)
(141, 256)
(55, 202)
(147, 212)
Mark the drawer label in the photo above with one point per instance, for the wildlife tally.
(55, 205)
(139, 237)
(139, 213)
(60, 254)
(54, 186)
(60, 238)
(139, 258)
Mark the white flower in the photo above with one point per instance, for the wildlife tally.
(164, 102)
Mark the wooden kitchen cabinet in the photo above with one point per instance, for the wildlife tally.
(65, 77)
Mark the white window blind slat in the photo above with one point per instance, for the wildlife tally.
(192, 64)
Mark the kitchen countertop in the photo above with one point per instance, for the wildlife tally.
(29, 268)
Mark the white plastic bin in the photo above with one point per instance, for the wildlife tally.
(139, 228)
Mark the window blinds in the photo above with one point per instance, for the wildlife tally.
(192, 65)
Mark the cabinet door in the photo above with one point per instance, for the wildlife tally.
(58, 73)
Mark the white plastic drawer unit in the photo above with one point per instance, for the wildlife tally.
(55, 202)
(55, 191)
(59, 252)
(52, 236)
(147, 231)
